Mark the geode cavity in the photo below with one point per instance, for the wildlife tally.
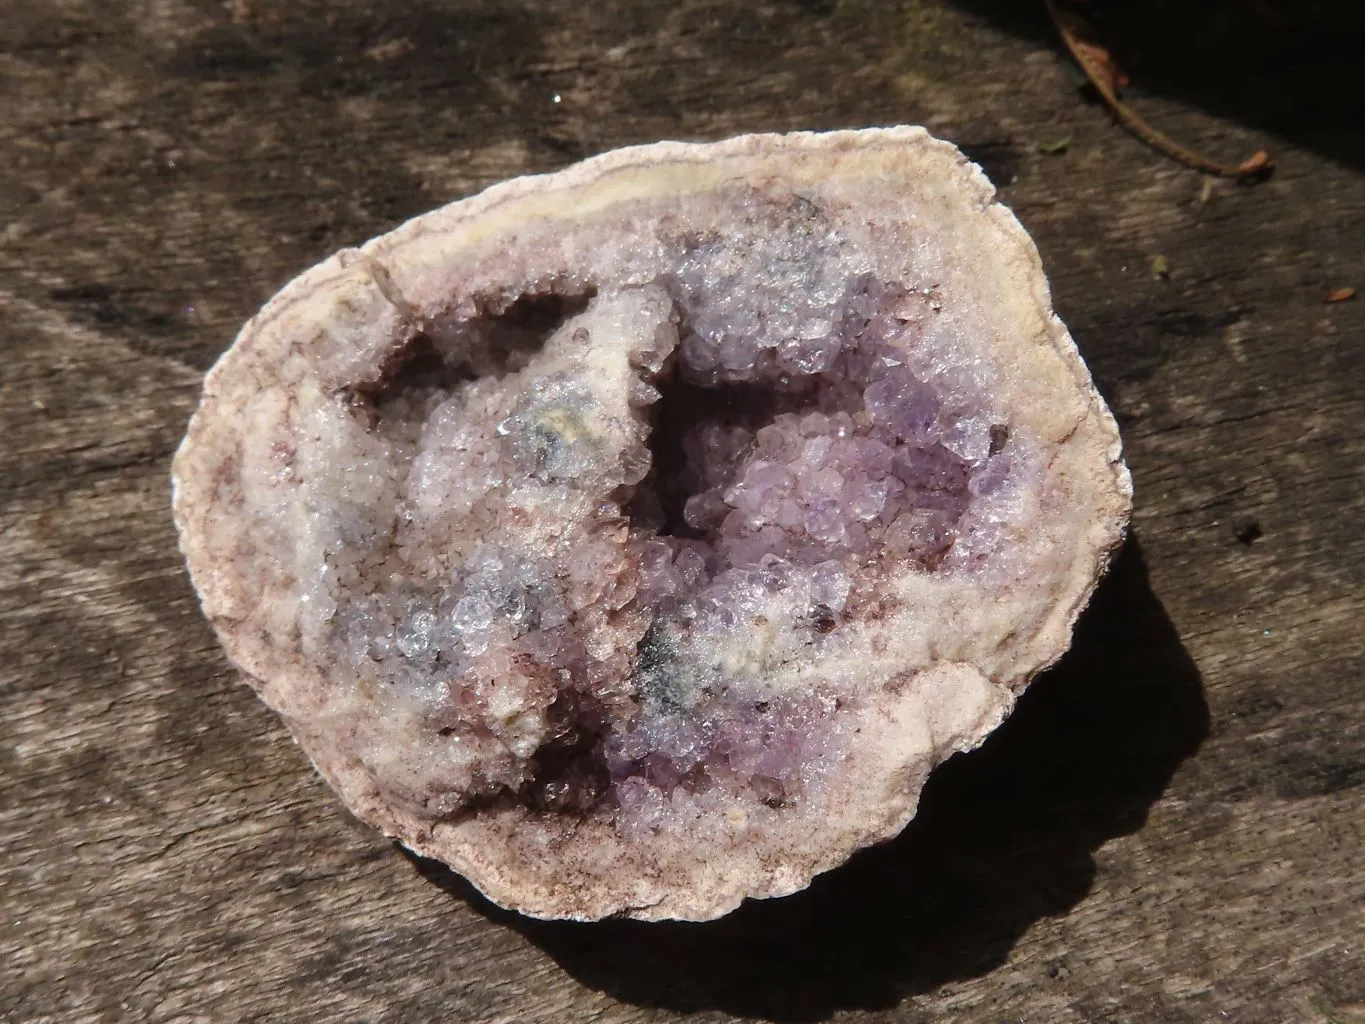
(637, 538)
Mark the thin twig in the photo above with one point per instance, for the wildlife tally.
(1093, 59)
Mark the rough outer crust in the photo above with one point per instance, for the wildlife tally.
(954, 681)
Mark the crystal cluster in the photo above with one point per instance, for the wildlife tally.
(780, 448)
(636, 539)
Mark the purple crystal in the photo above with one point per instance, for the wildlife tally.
(904, 405)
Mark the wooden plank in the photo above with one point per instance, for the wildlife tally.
(1171, 829)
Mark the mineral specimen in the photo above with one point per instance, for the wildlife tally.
(637, 538)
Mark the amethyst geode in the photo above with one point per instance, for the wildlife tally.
(637, 538)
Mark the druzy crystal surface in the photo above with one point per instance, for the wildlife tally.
(638, 541)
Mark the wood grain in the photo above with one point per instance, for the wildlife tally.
(1171, 829)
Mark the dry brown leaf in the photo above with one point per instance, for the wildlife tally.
(1105, 75)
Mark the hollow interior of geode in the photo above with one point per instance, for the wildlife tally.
(629, 519)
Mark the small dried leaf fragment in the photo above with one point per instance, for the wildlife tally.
(1256, 165)
(635, 539)
(1340, 295)
(1101, 64)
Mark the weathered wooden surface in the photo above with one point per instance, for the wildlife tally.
(1171, 829)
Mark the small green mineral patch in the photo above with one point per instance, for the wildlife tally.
(659, 678)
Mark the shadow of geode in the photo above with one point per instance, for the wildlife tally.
(1004, 836)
